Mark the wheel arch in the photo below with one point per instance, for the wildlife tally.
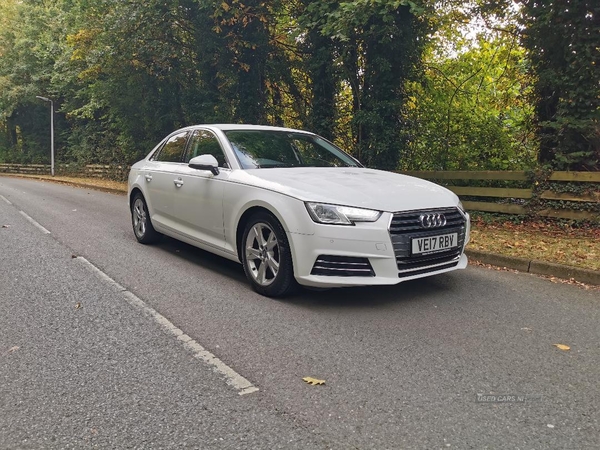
(244, 218)
(290, 213)
(284, 281)
(133, 193)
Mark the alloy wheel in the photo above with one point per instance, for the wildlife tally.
(139, 218)
(262, 254)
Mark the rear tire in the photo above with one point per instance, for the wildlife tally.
(140, 220)
(266, 256)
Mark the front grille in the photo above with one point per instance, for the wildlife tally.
(406, 225)
(342, 266)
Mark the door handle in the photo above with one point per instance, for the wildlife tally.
(178, 182)
(148, 177)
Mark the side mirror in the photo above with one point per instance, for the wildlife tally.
(205, 162)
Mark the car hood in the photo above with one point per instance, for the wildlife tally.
(352, 186)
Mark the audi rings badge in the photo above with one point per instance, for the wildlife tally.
(432, 220)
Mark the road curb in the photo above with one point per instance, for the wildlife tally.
(92, 186)
(537, 267)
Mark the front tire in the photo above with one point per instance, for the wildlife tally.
(266, 256)
(140, 220)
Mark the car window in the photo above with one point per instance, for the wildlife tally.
(204, 142)
(258, 149)
(264, 148)
(314, 155)
(173, 149)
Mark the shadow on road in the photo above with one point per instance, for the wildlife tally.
(352, 297)
(207, 260)
(373, 296)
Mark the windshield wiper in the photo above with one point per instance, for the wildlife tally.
(272, 166)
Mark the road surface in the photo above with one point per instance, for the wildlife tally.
(111, 344)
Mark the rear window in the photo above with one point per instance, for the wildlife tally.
(173, 149)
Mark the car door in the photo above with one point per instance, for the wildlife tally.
(161, 174)
(199, 199)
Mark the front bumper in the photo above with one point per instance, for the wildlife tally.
(364, 240)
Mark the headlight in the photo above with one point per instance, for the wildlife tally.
(460, 206)
(340, 215)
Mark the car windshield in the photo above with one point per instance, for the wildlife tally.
(258, 149)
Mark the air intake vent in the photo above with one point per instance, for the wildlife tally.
(342, 266)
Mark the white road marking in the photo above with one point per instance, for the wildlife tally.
(101, 274)
(5, 199)
(232, 378)
(33, 222)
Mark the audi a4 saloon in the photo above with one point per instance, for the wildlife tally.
(293, 208)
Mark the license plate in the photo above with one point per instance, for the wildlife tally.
(434, 244)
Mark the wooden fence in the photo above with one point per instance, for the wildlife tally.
(26, 169)
(91, 170)
(527, 198)
(520, 200)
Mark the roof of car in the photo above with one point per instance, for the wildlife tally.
(234, 126)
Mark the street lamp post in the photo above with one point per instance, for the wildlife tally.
(51, 131)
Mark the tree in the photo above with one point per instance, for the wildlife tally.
(471, 108)
(563, 42)
(377, 47)
(395, 82)
(29, 45)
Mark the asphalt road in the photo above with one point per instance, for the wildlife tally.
(80, 366)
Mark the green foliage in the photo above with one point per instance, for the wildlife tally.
(563, 43)
(398, 83)
(470, 109)
(377, 45)
(28, 48)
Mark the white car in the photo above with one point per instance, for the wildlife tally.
(293, 208)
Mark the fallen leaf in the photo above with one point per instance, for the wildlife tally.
(313, 381)
(78, 305)
(562, 347)
(5, 226)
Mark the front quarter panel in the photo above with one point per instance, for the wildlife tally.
(134, 180)
(239, 198)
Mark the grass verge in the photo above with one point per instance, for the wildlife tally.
(539, 240)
